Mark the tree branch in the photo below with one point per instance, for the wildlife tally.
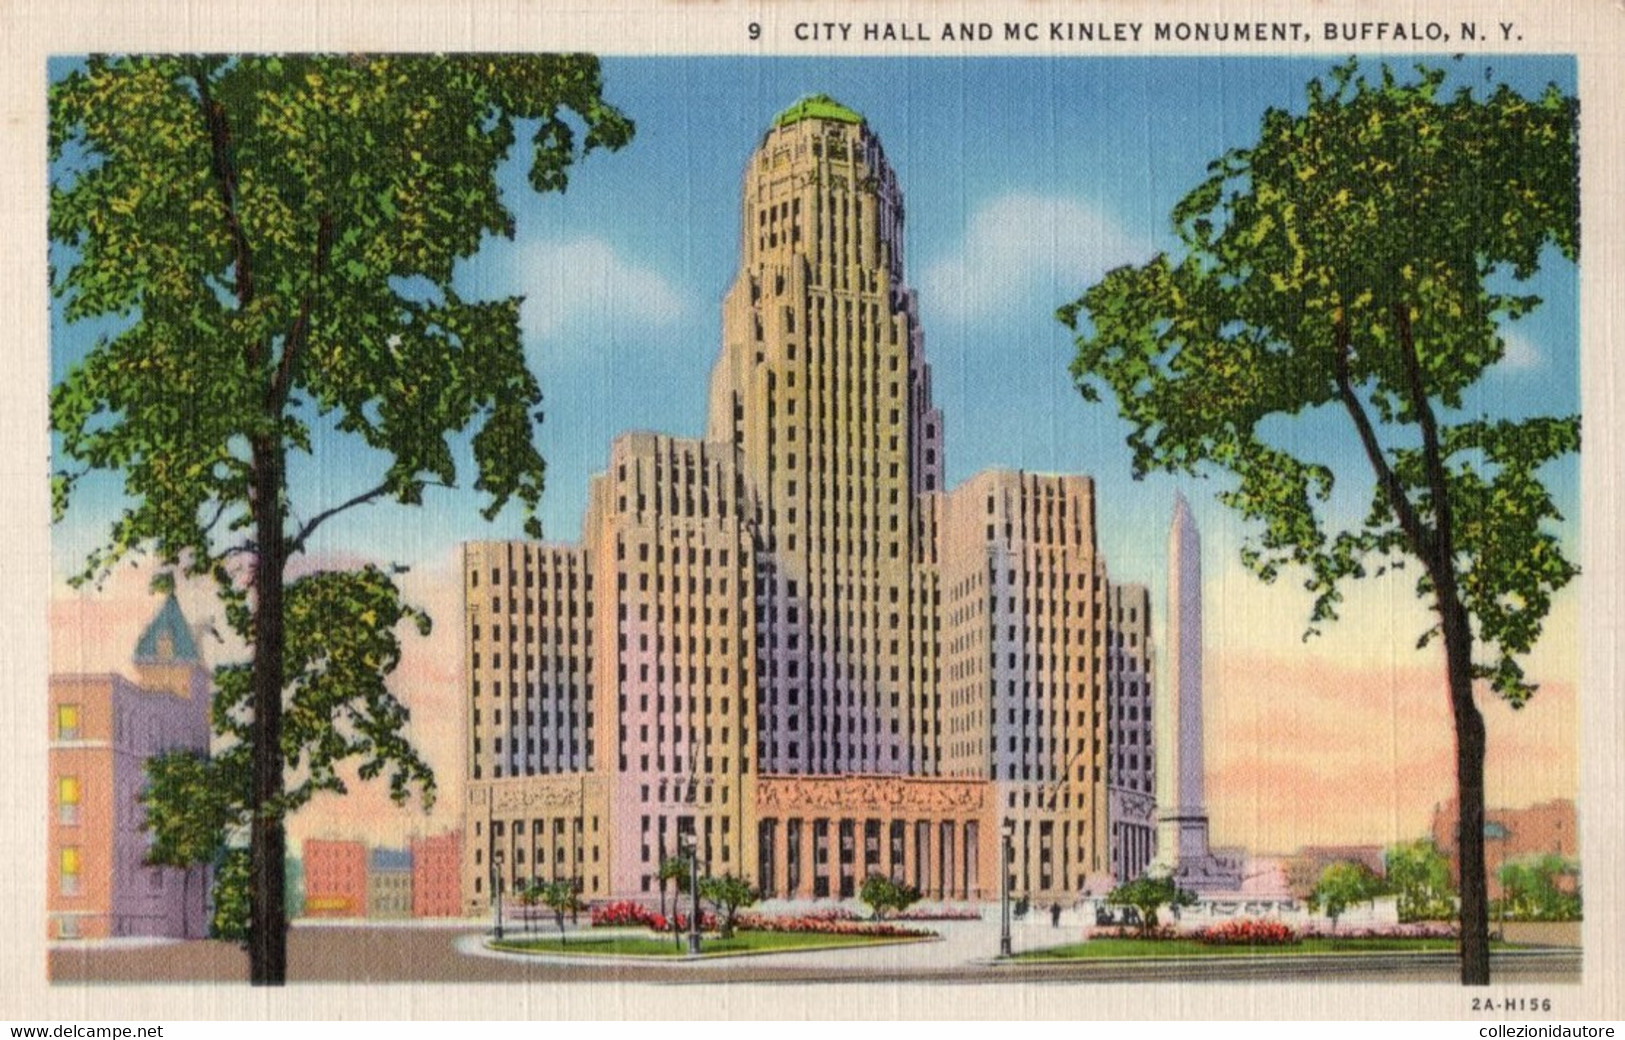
(1421, 539)
(225, 174)
(297, 543)
(1432, 456)
(299, 335)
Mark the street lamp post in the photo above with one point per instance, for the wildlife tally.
(496, 893)
(1004, 887)
(693, 848)
(1497, 831)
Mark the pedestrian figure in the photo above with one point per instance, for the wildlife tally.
(1055, 915)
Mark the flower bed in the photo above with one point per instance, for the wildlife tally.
(1425, 930)
(1127, 931)
(941, 914)
(627, 914)
(1248, 933)
(622, 915)
(825, 923)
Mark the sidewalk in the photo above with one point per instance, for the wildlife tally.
(962, 943)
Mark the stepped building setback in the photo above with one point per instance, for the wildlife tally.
(788, 641)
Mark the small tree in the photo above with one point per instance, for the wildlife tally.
(881, 894)
(1342, 885)
(1531, 889)
(673, 868)
(729, 893)
(1147, 895)
(561, 898)
(1419, 874)
(186, 814)
(528, 895)
(229, 919)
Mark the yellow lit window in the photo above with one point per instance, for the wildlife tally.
(67, 799)
(67, 722)
(70, 871)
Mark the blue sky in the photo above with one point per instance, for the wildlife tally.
(1024, 180)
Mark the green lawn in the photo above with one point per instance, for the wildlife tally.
(633, 945)
(1191, 948)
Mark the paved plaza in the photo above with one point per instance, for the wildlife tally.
(966, 953)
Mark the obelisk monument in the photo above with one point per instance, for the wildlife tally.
(1182, 825)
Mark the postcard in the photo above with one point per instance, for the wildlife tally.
(1033, 510)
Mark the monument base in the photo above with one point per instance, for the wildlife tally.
(1183, 854)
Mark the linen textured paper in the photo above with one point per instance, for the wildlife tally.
(1007, 513)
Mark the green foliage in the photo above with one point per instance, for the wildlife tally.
(1342, 885)
(881, 894)
(342, 645)
(1147, 895)
(230, 920)
(1343, 261)
(1542, 888)
(1419, 874)
(188, 809)
(729, 893)
(294, 893)
(558, 896)
(275, 237)
(187, 813)
(675, 868)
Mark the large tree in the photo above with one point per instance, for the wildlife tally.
(273, 240)
(1356, 260)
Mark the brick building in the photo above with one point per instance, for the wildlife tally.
(1545, 828)
(437, 875)
(335, 878)
(103, 730)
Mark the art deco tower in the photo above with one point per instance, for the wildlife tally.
(786, 644)
(822, 387)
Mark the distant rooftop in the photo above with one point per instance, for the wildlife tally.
(168, 638)
(391, 859)
(817, 106)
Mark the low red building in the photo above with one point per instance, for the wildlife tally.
(436, 876)
(335, 878)
(1545, 828)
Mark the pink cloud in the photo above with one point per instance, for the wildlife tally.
(1309, 749)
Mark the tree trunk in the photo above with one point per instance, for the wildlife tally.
(1470, 747)
(267, 916)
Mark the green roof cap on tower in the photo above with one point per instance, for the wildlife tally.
(817, 106)
(168, 638)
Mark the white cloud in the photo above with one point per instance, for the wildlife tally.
(586, 279)
(1021, 244)
(1521, 352)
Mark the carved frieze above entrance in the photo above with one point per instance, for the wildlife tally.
(859, 794)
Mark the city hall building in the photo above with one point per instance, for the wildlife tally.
(787, 641)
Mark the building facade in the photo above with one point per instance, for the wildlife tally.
(786, 642)
(1131, 752)
(104, 728)
(389, 883)
(335, 878)
(437, 875)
